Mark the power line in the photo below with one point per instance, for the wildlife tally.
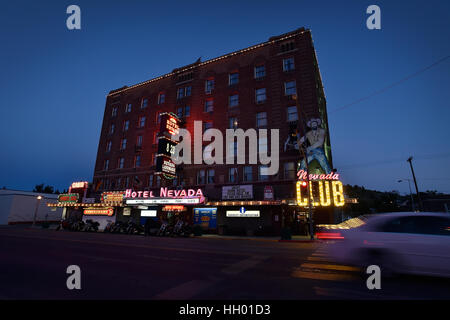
(380, 91)
(396, 160)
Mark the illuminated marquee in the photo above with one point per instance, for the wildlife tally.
(166, 196)
(326, 190)
(68, 198)
(112, 197)
(79, 185)
(99, 211)
(169, 124)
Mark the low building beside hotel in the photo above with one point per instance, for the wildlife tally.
(21, 207)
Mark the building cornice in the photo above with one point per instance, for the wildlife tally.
(200, 64)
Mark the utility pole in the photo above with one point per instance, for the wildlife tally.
(305, 157)
(413, 207)
(415, 183)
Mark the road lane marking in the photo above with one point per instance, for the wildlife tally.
(323, 275)
(329, 267)
(243, 265)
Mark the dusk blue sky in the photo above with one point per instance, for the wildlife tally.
(54, 82)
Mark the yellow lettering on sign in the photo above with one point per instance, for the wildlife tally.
(301, 202)
(325, 198)
(314, 203)
(338, 193)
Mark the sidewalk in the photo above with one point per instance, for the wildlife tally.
(304, 239)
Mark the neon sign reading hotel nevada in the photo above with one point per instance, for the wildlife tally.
(166, 196)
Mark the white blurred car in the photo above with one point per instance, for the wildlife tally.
(415, 243)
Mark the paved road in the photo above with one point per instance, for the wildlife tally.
(33, 265)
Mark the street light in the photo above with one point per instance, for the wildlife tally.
(413, 207)
(36, 210)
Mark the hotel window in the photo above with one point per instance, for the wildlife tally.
(139, 141)
(288, 64)
(261, 119)
(106, 165)
(209, 105)
(144, 103)
(201, 177)
(292, 113)
(287, 46)
(106, 184)
(210, 175)
(183, 111)
(289, 88)
(262, 145)
(161, 98)
(260, 95)
(111, 129)
(126, 125)
(209, 85)
(232, 123)
(121, 163)
(233, 100)
(248, 173)
(158, 117)
(114, 112)
(119, 183)
(183, 92)
(127, 182)
(123, 144)
(137, 161)
(150, 181)
(108, 146)
(141, 122)
(233, 78)
(158, 181)
(128, 108)
(207, 125)
(232, 175)
(262, 175)
(289, 170)
(260, 72)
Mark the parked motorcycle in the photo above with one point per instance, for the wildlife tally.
(133, 228)
(182, 229)
(163, 230)
(91, 226)
(119, 227)
(109, 226)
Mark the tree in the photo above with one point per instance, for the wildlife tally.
(41, 188)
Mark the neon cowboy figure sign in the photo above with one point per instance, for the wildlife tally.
(166, 196)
